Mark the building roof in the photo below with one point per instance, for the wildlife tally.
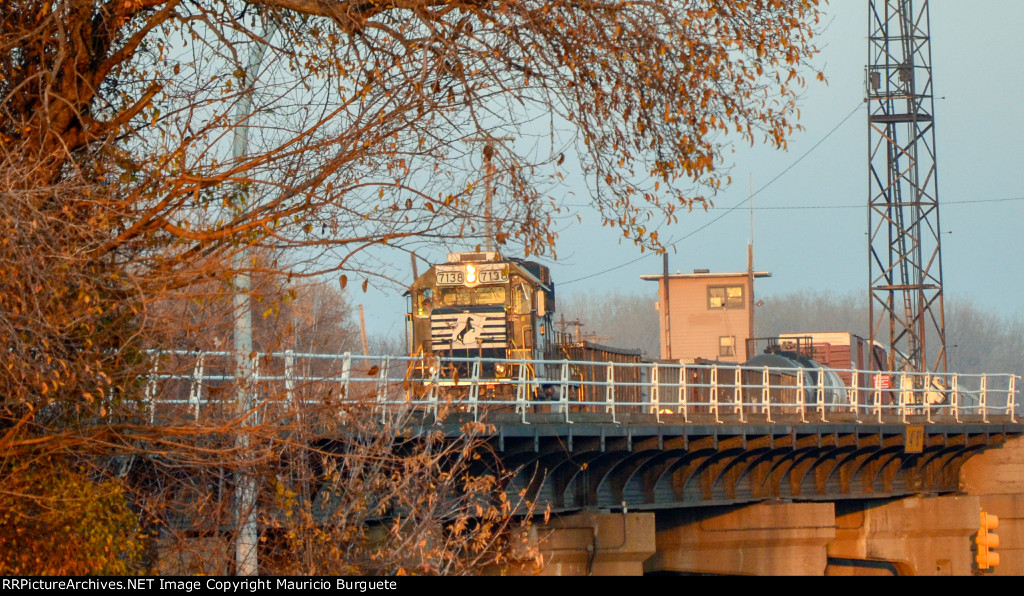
(701, 275)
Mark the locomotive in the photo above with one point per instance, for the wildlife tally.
(483, 305)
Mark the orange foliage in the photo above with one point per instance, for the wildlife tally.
(119, 188)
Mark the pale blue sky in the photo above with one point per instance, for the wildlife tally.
(810, 225)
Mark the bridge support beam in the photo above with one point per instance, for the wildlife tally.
(594, 543)
(760, 539)
(911, 536)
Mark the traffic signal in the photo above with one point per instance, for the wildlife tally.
(987, 540)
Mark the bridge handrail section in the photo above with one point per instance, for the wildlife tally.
(670, 391)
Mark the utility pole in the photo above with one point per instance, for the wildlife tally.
(489, 185)
(666, 310)
(750, 277)
(488, 194)
(563, 324)
(904, 254)
(362, 332)
(247, 538)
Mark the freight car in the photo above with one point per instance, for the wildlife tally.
(787, 356)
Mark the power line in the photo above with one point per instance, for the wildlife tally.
(609, 270)
(808, 207)
(781, 208)
(819, 207)
(733, 208)
(776, 178)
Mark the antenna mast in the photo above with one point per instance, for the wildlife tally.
(905, 259)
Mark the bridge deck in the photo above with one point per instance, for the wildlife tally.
(647, 435)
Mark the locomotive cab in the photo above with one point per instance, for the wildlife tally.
(480, 304)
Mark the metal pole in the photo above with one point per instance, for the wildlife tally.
(362, 332)
(488, 185)
(750, 300)
(488, 192)
(668, 320)
(750, 276)
(246, 561)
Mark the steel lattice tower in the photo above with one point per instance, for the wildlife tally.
(905, 260)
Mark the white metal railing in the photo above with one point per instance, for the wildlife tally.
(676, 392)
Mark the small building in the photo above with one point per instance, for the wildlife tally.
(705, 315)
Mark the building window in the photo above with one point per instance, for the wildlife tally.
(727, 346)
(720, 297)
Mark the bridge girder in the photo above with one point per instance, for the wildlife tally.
(657, 467)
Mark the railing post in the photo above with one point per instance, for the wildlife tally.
(853, 393)
(655, 393)
(820, 407)
(902, 411)
(563, 396)
(474, 389)
(1011, 398)
(681, 407)
(254, 380)
(346, 374)
(954, 398)
(984, 398)
(738, 393)
(433, 397)
(289, 380)
(522, 391)
(714, 392)
(801, 394)
(382, 388)
(196, 391)
(926, 398)
(766, 394)
(609, 395)
(151, 391)
(878, 397)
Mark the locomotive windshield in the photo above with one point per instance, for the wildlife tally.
(490, 295)
(448, 297)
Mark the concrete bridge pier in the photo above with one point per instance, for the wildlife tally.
(911, 536)
(917, 535)
(596, 543)
(760, 539)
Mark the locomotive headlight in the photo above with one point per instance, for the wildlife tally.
(470, 274)
(499, 369)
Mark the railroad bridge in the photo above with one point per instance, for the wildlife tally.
(637, 465)
(664, 467)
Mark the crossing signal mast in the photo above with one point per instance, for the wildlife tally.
(905, 259)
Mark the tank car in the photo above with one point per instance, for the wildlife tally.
(784, 356)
